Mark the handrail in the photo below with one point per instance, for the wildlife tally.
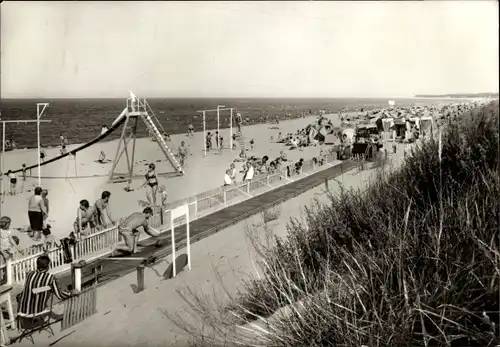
(203, 204)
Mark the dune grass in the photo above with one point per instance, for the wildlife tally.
(413, 260)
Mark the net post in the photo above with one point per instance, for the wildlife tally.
(188, 238)
(231, 129)
(172, 235)
(140, 278)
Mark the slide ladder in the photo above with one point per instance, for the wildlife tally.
(158, 137)
(156, 132)
(240, 140)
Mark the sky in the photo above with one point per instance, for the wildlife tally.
(248, 49)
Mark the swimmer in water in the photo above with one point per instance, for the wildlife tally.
(128, 230)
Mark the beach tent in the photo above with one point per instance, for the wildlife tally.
(387, 123)
(399, 125)
(426, 124)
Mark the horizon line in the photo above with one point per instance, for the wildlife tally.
(415, 96)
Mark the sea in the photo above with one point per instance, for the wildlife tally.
(81, 120)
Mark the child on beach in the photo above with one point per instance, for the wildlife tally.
(227, 178)
(182, 153)
(190, 130)
(23, 168)
(102, 157)
(13, 182)
(163, 196)
(252, 142)
(221, 146)
(209, 141)
(8, 242)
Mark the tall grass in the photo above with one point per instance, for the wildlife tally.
(412, 261)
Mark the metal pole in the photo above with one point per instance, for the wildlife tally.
(204, 135)
(188, 238)
(231, 129)
(38, 136)
(2, 167)
(218, 130)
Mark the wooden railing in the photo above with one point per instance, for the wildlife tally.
(200, 205)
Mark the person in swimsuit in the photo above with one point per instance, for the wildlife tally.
(190, 130)
(42, 154)
(13, 182)
(128, 231)
(152, 182)
(84, 218)
(102, 220)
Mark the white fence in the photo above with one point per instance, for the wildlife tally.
(200, 205)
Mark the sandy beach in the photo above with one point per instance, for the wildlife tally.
(129, 319)
(71, 180)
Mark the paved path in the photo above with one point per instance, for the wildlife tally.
(206, 226)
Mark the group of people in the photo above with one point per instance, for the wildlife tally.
(10, 145)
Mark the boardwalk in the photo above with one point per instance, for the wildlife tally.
(207, 226)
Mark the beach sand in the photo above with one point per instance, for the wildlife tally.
(128, 319)
(71, 180)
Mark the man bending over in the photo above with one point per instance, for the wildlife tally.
(128, 230)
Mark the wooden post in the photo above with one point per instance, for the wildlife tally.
(72, 250)
(134, 135)
(161, 215)
(8, 270)
(76, 275)
(224, 195)
(140, 278)
(248, 187)
(326, 184)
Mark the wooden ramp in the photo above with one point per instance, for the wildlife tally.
(210, 224)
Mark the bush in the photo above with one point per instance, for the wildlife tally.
(271, 214)
(412, 261)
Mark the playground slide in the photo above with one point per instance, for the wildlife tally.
(82, 147)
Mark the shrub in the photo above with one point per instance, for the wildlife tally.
(411, 261)
(271, 214)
